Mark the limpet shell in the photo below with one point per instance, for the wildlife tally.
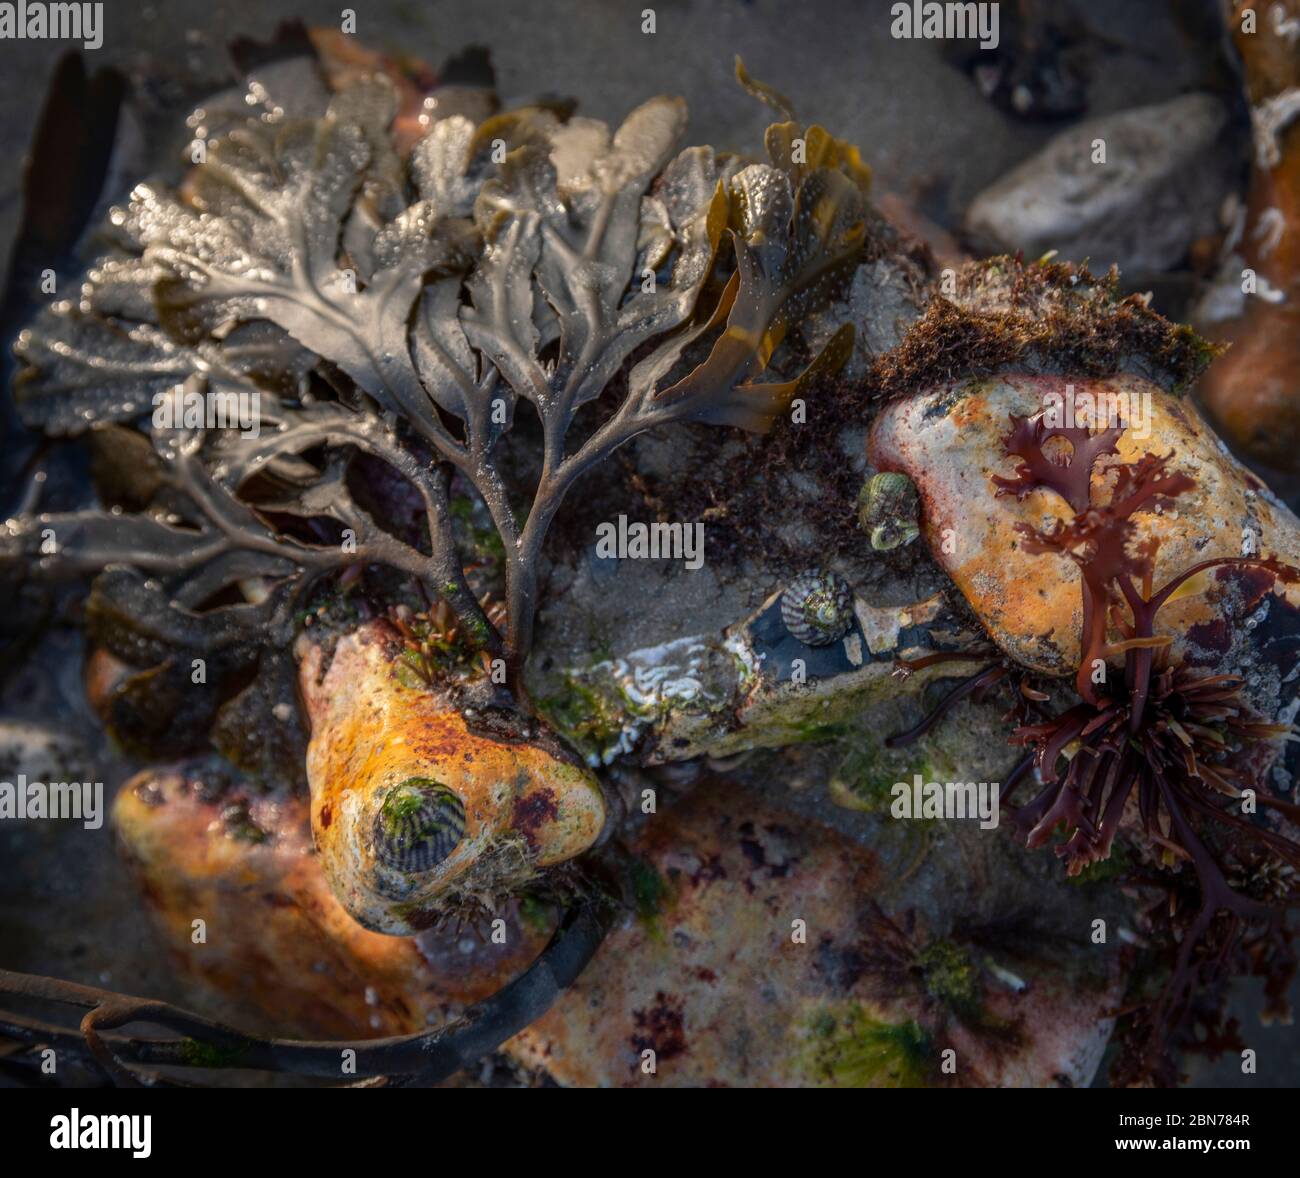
(418, 825)
(817, 607)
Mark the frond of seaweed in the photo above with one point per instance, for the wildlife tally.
(403, 310)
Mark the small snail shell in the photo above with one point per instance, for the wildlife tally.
(889, 510)
(817, 607)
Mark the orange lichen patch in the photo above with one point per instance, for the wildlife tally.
(950, 441)
(493, 811)
(275, 943)
(727, 891)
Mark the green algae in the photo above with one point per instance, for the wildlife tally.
(848, 1048)
(951, 977)
(650, 893)
(590, 716)
(194, 1054)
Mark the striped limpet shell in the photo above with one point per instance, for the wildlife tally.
(817, 607)
(419, 824)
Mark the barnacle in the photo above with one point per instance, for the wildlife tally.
(418, 825)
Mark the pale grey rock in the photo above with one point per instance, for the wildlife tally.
(1165, 176)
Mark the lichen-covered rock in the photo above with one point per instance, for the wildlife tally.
(273, 941)
(720, 886)
(950, 440)
(416, 814)
(728, 891)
